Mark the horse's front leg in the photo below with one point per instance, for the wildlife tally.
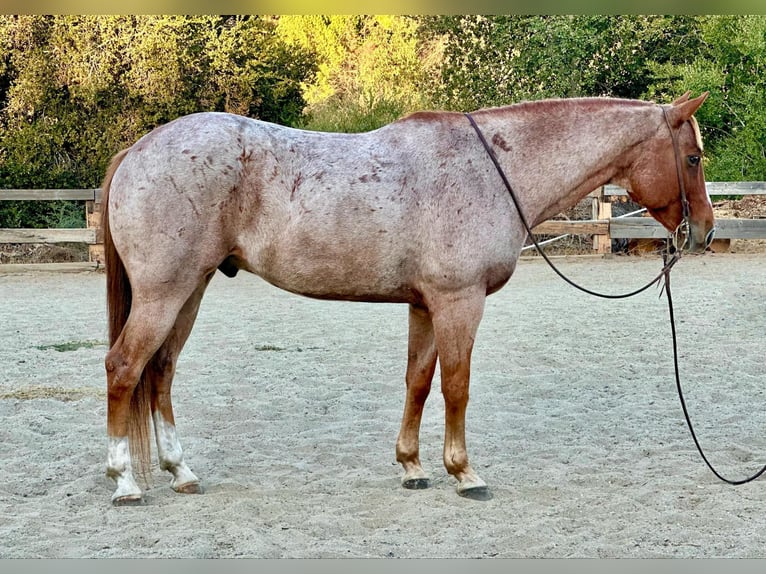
(421, 363)
(456, 319)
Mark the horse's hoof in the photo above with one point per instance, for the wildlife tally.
(476, 493)
(473, 487)
(128, 500)
(416, 483)
(189, 488)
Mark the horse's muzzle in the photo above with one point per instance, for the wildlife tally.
(694, 241)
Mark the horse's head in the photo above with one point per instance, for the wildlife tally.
(667, 173)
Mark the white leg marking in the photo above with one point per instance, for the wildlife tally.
(119, 468)
(171, 454)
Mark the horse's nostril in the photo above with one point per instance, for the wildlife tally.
(709, 237)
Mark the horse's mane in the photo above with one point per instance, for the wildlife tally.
(529, 106)
(559, 103)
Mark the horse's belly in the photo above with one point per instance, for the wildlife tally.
(349, 287)
(337, 270)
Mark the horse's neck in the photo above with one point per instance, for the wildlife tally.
(559, 154)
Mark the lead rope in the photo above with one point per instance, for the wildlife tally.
(683, 402)
(669, 259)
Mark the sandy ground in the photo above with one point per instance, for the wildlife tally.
(288, 408)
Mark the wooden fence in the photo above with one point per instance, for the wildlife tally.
(602, 225)
(91, 235)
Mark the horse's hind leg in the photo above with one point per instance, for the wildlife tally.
(159, 373)
(147, 327)
(456, 318)
(421, 363)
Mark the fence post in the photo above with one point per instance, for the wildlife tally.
(93, 219)
(602, 209)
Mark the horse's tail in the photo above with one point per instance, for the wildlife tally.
(118, 291)
(118, 300)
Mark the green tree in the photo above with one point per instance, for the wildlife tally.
(497, 60)
(76, 89)
(371, 69)
(732, 66)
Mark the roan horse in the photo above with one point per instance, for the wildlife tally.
(414, 212)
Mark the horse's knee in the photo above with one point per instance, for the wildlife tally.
(455, 398)
(418, 389)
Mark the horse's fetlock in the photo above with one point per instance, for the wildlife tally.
(456, 463)
(170, 461)
(406, 455)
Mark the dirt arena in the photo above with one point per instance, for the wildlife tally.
(288, 409)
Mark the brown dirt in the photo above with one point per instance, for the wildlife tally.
(42, 253)
(748, 207)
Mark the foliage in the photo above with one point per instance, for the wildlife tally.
(498, 60)
(732, 67)
(371, 69)
(76, 89)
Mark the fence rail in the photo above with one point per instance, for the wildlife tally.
(86, 235)
(90, 235)
(50, 194)
(602, 226)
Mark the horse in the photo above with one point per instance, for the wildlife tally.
(413, 212)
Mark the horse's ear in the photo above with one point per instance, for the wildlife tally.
(682, 99)
(683, 110)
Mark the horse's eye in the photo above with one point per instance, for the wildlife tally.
(693, 160)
